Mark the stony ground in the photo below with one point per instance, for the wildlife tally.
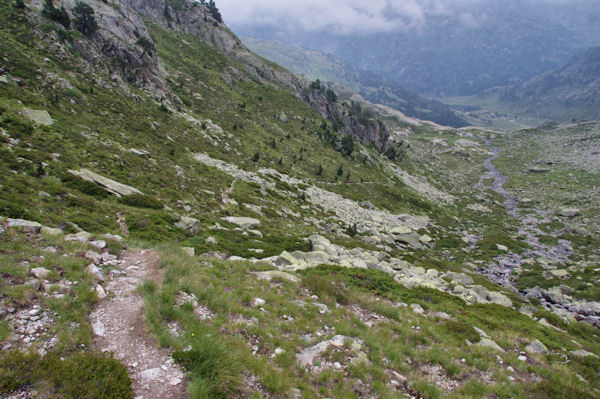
(118, 325)
(276, 266)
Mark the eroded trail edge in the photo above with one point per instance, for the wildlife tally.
(118, 323)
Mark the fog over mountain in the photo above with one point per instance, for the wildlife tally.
(438, 47)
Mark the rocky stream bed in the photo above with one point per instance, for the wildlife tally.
(553, 258)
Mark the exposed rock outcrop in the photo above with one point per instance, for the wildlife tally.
(113, 187)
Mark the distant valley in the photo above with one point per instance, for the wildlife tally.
(373, 87)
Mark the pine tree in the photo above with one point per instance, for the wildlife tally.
(85, 22)
(214, 11)
(18, 4)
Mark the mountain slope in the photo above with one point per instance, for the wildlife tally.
(376, 89)
(571, 92)
(291, 267)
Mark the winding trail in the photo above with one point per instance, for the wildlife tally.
(118, 323)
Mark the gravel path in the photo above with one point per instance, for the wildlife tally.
(118, 323)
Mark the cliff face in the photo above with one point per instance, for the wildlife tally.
(117, 46)
(364, 131)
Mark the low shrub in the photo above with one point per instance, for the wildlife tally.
(80, 375)
(17, 127)
(461, 331)
(84, 186)
(141, 201)
(13, 210)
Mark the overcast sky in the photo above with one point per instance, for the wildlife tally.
(354, 16)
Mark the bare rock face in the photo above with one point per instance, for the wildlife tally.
(117, 43)
(362, 130)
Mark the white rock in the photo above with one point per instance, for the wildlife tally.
(488, 343)
(150, 375)
(99, 329)
(100, 244)
(418, 309)
(442, 315)
(536, 347)
(93, 269)
(39, 272)
(279, 351)
(100, 292)
(243, 222)
(570, 212)
(425, 239)
(306, 357)
(189, 251)
(108, 257)
(40, 117)
(583, 353)
(82, 236)
(175, 381)
(24, 225)
(93, 256)
(51, 231)
(114, 237)
(271, 274)
(114, 187)
(256, 302)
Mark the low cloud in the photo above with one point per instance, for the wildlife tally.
(357, 16)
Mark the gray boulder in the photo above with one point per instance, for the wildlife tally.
(39, 117)
(139, 153)
(82, 236)
(243, 222)
(499, 299)
(39, 272)
(191, 225)
(570, 212)
(411, 239)
(536, 347)
(271, 274)
(24, 225)
(95, 271)
(316, 257)
(489, 343)
(189, 251)
(93, 256)
(583, 353)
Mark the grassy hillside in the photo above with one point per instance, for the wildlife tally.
(282, 268)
